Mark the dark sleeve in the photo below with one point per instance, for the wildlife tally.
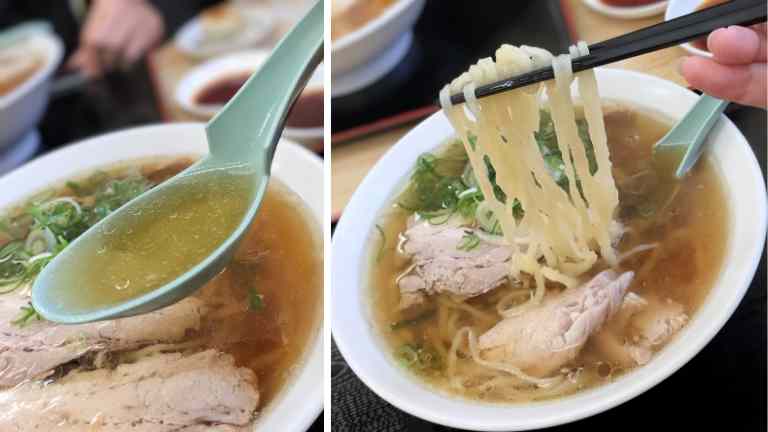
(176, 12)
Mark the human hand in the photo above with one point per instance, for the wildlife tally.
(737, 72)
(116, 33)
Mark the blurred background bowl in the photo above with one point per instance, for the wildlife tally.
(224, 29)
(22, 108)
(368, 53)
(630, 11)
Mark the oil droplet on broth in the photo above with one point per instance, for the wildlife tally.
(161, 241)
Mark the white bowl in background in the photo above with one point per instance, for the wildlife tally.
(366, 353)
(245, 62)
(366, 44)
(190, 38)
(22, 108)
(678, 8)
(626, 12)
(300, 401)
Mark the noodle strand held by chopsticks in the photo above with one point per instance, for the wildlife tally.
(567, 226)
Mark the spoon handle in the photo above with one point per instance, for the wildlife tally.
(248, 127)
(693, 129)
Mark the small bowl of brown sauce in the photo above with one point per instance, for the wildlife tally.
(205, 89)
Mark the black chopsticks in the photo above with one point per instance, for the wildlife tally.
(655, 37)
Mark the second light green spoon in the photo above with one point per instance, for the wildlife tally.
(242, 138)
(677, 152)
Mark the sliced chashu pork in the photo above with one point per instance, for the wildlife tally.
(438, 265)
(542, 339)
(162, 393)
(642, 326)
(34, 350)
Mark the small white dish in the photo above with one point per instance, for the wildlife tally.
(300, 402)
(190, 38)
(678, 8)
(626, 12)
(365, 352)
(199, 77)
(234, 65)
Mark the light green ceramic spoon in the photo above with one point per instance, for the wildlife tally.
(242, 138)
(677, 152)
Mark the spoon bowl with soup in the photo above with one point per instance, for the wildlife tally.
(167, 243)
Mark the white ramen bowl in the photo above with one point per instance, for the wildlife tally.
(355, 50)
(366, 352)
(299, 403)
(22, 108)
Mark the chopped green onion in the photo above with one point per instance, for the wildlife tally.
(424, 316)
(255, 300)
(76, 188)
(472, 139)
(382, 244)
(418, 358)
(28, 315)
(469, 241)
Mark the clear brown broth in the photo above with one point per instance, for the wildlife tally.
(691, 232)
(281, 258)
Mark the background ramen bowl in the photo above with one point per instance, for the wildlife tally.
(364, 350)
(649, 9)
(22, 108)
(300, 400)
(366, 46)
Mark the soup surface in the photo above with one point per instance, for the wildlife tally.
(242, 335)
(159, 241)
(683, 246)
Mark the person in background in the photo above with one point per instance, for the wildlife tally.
(105, 35)
(107, 42)
(737, 71)
(117, 33)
